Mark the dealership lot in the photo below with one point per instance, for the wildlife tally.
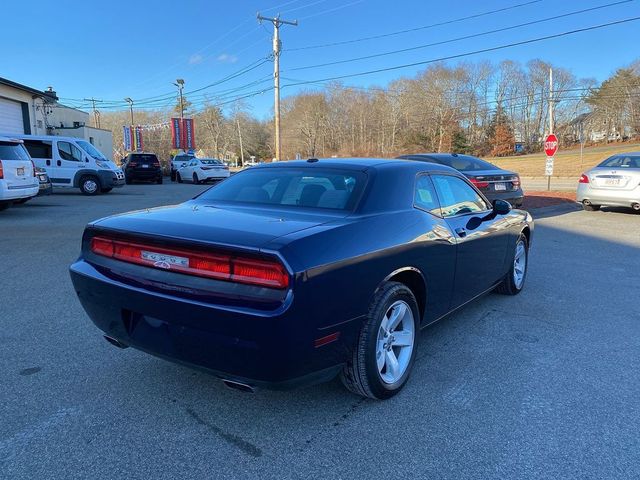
(541, 385)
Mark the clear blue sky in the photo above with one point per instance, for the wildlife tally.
(116, 49)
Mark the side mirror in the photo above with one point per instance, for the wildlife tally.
(501, 207)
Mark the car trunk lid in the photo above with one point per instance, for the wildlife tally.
(494, 180)
(615, 178)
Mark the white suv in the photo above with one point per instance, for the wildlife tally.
(18, 179)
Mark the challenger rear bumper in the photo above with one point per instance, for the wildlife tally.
(272, 349)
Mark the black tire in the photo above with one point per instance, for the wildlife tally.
(589, 207)
(90, 185)
(128, 181)
(159, 181)
(178, 178)
(4, 206)
(195, 179)
(106, 190)
(508, 286)
(173, 175)
(361, 375)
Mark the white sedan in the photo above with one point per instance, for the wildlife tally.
(201, 170)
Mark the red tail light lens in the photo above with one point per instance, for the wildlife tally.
(516, 182)
(1, 171)
(583, 179)
(479, 183)
(133, 164)
(264, 273)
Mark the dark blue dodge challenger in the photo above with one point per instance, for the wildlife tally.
(292, 273)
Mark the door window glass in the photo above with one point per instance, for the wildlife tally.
(69, 151)
(457, 197)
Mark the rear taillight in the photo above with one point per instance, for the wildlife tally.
(132, 164)
(478, 183)
(1, 171)
(583, 179)
(220, 266)
(33, 165)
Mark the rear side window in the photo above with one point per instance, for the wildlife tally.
(291, 187)
(425, 196)
(39, 148)
(622, 161)
(457, 197)
(13, 151)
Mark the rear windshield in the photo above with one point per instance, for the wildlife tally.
(291, 187)
(210, 161)
(622, 161)
(144, 158)
(13, 151)
(465, 164)
(183, 158)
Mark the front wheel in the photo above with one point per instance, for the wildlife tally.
(195, 179)
(89, 185)
(178, 178)
(382, 360)
(513, 283)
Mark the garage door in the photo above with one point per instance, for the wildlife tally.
(11, 116)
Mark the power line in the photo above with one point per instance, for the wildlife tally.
(465, 37)
(474, 52)
(424, 27)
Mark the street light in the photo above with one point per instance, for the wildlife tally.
(180, 84)
(130, 102)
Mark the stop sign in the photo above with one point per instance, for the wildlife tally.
(551, 145)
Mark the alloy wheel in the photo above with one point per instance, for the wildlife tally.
(519, 264)
(396, 338)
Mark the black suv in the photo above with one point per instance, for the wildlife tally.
(494, 182)
(142, 166)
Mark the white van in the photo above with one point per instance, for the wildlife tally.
(18, 181)
(73, 163)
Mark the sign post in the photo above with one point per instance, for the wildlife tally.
(550, 148)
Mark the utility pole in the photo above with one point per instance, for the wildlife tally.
(180, 84)
(550, 116)
(96, 113)
(240, 137)
(277, 22)
(130, 102)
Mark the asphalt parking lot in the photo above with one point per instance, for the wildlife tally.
(542, 385)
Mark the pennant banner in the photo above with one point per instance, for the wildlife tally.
(176, 133)
(189, 133)
(126, 135)
(138, 143)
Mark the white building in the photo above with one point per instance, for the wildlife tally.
(26, 110)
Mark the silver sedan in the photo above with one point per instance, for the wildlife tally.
(615, 183)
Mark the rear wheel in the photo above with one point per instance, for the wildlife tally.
(89, 185)
(382, 360)
(589, 207)
(513, 283)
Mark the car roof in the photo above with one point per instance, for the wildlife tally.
(10, 140)
(441, 155)
(357, 164)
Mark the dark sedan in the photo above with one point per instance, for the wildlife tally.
(294, 272)
(142, 166)
(494, 182)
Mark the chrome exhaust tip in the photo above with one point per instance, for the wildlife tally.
(115, 342)
(243, 387)
(636, 207)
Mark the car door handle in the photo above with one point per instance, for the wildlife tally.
(461, 232)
